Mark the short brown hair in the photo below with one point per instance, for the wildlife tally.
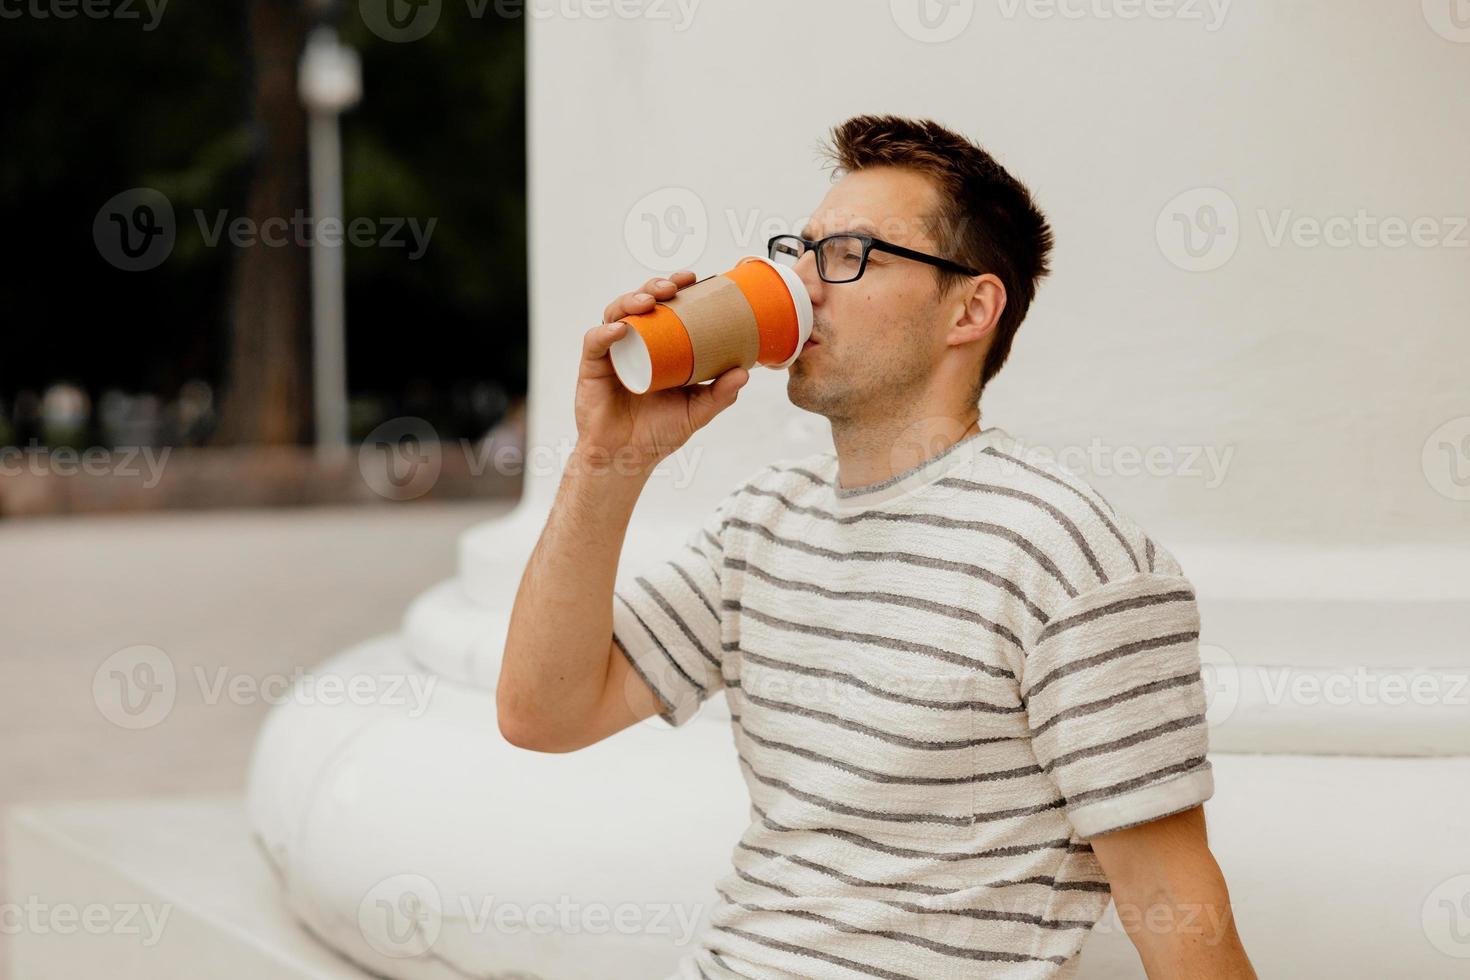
(986, 218)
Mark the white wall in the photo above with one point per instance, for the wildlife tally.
(1320, 370)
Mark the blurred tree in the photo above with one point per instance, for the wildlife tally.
(267, 388)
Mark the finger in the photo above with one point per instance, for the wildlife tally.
(657, 289)
(626, 305)
(709, 400)
(597, 341)
(664, 288)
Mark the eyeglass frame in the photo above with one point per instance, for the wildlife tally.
(869, 243)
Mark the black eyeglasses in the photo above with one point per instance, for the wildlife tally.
(844, 258)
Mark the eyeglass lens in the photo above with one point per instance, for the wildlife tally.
(840, 259)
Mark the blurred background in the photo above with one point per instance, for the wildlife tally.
(167, 476)
(159, 340)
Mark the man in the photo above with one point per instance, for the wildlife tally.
(965, 691)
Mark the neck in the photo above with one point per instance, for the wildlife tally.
(870, 450)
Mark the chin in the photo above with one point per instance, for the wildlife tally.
(805, 392)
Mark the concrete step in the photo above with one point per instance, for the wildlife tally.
(152, 890)
(1346, 867)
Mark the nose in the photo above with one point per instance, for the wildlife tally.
(806, 268)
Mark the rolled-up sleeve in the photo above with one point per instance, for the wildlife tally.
(667, 621)
(1116, 703)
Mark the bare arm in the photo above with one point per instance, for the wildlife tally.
(563, 685)
(1172, 900)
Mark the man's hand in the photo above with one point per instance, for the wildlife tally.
(616, 426)
(1172, 900)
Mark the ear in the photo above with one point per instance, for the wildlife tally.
(976, 308)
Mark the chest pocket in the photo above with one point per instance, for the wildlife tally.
(901, 758)
(941, 748)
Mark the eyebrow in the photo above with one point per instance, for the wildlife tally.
(860, 228)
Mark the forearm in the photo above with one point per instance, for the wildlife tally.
(555, 661)
(1184, 927)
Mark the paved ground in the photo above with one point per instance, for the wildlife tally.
(251, 595)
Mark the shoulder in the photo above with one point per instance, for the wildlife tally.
(778, 490)
(1060, 516)
(791, 477)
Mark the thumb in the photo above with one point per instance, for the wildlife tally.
(707, 401)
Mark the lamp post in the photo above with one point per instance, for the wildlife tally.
(329, 82)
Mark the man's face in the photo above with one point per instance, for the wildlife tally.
(879, 339)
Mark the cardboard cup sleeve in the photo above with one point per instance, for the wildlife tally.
(756, 313)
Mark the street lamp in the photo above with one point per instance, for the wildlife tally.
(329, 81)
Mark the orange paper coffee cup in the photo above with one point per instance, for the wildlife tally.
(756, 313)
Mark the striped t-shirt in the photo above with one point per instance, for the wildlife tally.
(940, 686)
